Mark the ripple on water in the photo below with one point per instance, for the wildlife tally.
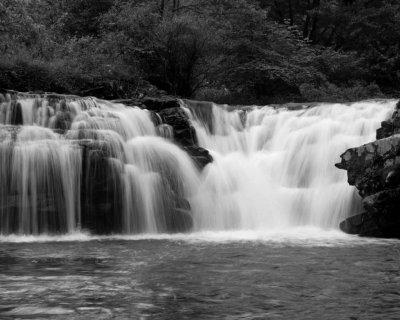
(202, 276)
(37, 310)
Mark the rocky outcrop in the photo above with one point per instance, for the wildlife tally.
(170, 112)
(374, 169)
(391, 126)
(159, 104)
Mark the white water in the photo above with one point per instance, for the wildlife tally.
(271, 173)
(295, 236)
(41, 169)
(276, 170)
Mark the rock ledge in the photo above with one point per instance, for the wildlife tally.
(374, 169)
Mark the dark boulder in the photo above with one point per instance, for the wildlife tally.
(158, 104)
(185, 134)
(63, 121)
(16, 113)
(391, 126)
(200, 156)
(181, 221)
(129, 102)
(374, 169)
(101, 189)
(381, 219)
(369, 224)
(179, 217)
(176, 117)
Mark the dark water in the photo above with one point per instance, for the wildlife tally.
(220, 277)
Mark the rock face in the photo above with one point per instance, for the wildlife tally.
(169, 112)
(101, 188)
(374, 169)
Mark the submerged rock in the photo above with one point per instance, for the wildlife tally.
(374, 169)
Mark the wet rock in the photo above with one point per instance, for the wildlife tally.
(386, 130)
(369, 224)
(129, 102)
(166, 131)
(374, 169)
(184, 134)
(176, 117)
(63, 120)
(158, 104)
(393, 178)
(203, 111)
(385, 201)
(179, 217)
(200, 156)
(155, 117)
(391, 126)
(101, 190)
(181, 221)
(16, 113)
(46, 209)
(369, 166)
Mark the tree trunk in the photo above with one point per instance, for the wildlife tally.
(312, 35)
(175, 6)
(290, 12)
(162, 8)
(279, 12)
(307, 22)
(313, 32)
(305, 28)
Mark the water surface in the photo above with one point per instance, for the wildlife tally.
(302, 274)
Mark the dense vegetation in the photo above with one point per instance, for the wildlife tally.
(234, 51)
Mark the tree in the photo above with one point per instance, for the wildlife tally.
(254, 50)
(82, 17)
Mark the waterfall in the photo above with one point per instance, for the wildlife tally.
(70, 164)
(274, 168)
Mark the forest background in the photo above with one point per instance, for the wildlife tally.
(227, 51)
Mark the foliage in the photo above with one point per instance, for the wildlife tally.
(236, 51)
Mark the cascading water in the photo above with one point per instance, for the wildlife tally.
(81, 163)
(71, 164)
(274, 168)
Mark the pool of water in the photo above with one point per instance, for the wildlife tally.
(302, 274)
